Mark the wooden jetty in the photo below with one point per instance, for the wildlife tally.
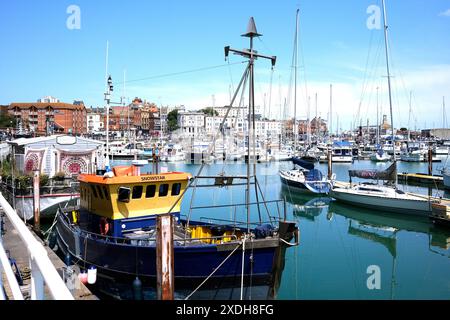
(18, 251)
(421, 179)
(440, 213)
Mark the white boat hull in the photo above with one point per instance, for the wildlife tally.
(24, 204)
(343, 159)
(404, 204)
(446, 176)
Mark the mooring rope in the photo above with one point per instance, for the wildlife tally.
(214, 271)
(243, 263)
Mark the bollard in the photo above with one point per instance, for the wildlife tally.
(330, 165)
(164, 257)
(36, 204)
(430, 161)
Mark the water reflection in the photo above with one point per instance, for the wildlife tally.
(376, 226)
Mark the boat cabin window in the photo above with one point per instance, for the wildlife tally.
(123, 194)
(163, 190)
(137, 192)
(94, 191)
(370, 189)
(100, 193)
(176, 188)
(150, 191)
(105, 191)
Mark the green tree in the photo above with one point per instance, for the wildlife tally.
(209, 111)
(7, 121)
(172, 120)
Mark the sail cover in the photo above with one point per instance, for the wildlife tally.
(302, 163)
(388, 174)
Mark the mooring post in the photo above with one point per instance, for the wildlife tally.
(164, 257)
(36, 203)
(330, 166)
(430, 161)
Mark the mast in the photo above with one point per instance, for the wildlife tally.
(252, 55)
(389, 81)
(295, 58)
(378, 121)
(330, 132)
(308, 122)
(317, 125)
(409, 116)
(444, 120)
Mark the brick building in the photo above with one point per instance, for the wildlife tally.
(44, 118)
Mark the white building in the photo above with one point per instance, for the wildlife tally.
(234, 112)
(268, 128)
(232, 124)
(48, 99)
(191, 123)
(94, 122)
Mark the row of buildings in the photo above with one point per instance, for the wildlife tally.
(50, 116)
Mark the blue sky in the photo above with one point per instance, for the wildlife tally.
(40, 56)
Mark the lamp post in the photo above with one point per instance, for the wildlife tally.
(109, 89)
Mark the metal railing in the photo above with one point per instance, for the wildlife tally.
(42, 269)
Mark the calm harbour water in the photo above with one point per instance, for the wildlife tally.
(339, 242)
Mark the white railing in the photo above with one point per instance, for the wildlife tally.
(42, 269)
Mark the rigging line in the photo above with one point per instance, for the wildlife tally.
(214, 271)
(231, 75)
(364, 79)
(183, 72)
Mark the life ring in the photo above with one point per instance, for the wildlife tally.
(104, 226)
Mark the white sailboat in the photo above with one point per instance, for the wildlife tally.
(382, 197)
(305, 178)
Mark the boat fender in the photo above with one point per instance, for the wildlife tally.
(83, 277)
(74, 217)
(137, 289)
(52, 240)
(92, 275)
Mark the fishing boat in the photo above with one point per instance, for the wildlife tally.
(115, 230)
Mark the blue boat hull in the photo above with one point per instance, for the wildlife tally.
(192, 264)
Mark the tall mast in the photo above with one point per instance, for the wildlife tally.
(378, 121)
(389, 80)
(444, 120)
(409, 116)
(330, 132)
(295, 81)
(317, 124)
(252, 55)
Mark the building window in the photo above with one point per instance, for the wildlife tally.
(137, 192)
(176, 188)
(163, 190)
